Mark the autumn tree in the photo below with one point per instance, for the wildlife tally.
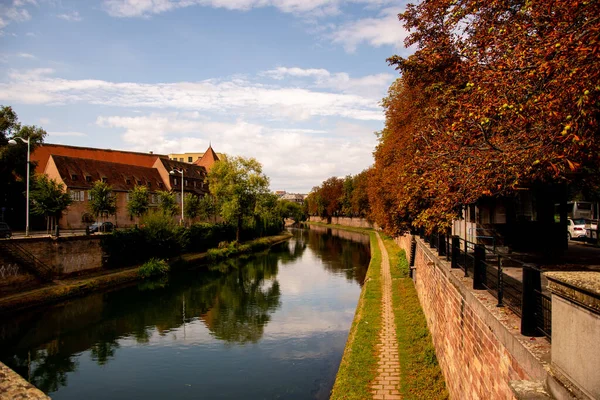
(507, 95)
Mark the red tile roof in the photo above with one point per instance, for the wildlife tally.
(81, 173)
(208, 159)
(43, 152)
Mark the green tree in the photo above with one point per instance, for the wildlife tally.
(237, 183)
(208, 208)
(191, 206)
(13, 163)
(139, 201)
(102, 201)
(167, 203)
(290, 209)
(48, 198)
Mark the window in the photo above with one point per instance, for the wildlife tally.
(128, 181)
(186, 182)
(153, 199)
(189, 159)
(149, 184)
(104, 179)
(472, 213)
(90, 195)
(139, 183)
(174, 181)
(127, 197)
(77, 195)
(181, 159)
(160, 185)
(194, 183)
(73, 177)
(88, 178)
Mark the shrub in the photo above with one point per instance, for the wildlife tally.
(153, 267)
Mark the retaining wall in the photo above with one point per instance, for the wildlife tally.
(346, 221)
(478, 345)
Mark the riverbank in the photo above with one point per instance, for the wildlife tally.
(60, 290)
(417, 374)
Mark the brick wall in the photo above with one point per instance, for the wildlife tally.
(478, 345)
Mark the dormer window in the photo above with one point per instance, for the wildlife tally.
(104, 179)
(139, 183)
(160, 185)
(149, 184)
(88, 178)
(128, 181)
(73, 177)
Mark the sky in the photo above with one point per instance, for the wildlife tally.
(296, 84)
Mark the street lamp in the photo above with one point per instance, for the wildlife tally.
(172, 172)
(13, 142)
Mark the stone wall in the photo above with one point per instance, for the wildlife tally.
(12, 386)
(346, 221)
(66, 255)
(478, 345)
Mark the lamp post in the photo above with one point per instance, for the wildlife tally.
(13, 142)
(172, 172)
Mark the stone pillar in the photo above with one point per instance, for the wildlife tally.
(576, 332)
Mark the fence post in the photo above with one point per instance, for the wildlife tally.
(441, 244)
(455, 251)
(447, 237)
(531, 282)
(500, 283)
(413, 251)
(479, 268)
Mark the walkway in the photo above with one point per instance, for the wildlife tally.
(385, 386)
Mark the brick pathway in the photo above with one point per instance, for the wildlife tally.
(385, 386)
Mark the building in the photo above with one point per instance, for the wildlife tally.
(77, 168)
(295, 197)
(191, 157)
(208, 159)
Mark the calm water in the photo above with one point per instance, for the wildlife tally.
(272, 326)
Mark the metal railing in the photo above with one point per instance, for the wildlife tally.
(524, 297)
(23, 257)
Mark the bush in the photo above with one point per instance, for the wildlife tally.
(153, 267)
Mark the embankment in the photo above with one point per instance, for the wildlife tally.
(105, 280)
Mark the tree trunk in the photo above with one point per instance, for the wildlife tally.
(239, 228)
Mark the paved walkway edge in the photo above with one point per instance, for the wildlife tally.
(387, 383)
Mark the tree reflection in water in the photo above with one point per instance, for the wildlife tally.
(234, 300)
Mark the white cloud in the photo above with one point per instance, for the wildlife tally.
(72, 16)
(294, 159)
(30, 34)
(26, 55)
(384, 30)
(370, 85)
(238, 97)
(145, 8)
(44, 121)
(68, 133)
(14, 12)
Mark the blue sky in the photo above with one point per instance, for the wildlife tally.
(293, 83)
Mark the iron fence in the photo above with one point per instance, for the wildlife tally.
(523, 296)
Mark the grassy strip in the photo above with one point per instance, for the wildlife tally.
(359, 362)
(70, 288)
(420, 374)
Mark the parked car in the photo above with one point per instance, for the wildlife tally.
(576, 228)
(5, 231)
(591, 230)
(101, 227)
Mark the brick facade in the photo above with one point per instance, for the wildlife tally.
(346, 221)
(478, 345)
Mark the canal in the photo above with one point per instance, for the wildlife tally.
(270, 326)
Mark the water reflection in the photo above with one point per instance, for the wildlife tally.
(279, 301)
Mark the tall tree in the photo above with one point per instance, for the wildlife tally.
(208, 208)
(49, 199)
(13, 164)
(167, 203)
(139, 201)
(191, 208)
(102, 200)
(237, 184)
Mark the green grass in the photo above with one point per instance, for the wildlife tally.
(359, 363)
(420, 374)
